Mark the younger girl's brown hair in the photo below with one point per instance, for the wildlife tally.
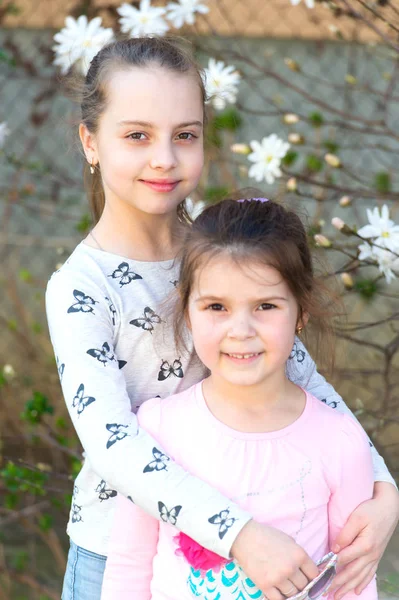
(168, 53)
(264, 232)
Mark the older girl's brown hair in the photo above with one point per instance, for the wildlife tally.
(266, 233)
(168, 53)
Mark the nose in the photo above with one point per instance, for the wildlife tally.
(241, 328)
(163, 156)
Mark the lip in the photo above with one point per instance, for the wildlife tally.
(161, 185)
(242, 361)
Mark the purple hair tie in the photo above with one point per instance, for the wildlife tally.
(253, 200)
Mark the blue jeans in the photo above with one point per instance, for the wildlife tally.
(84, 574)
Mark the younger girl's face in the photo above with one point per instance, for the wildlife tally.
(149, 144)
(243, 320)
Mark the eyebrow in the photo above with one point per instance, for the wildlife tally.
(151, 126)
(261, 299)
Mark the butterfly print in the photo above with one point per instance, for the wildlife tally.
(83, 303)
(75, 490)
(159, 462)
(332, 404)
(174, 282)
(105, 355)
(116, 433)
(168, 516)
(112, 309)
(124, 274)
(297, 353)
(166, 369)
(104, 493)
(147, 321)
(224, 521)
(61, 368)
(76, 516)
(131, 499)
(80, 400)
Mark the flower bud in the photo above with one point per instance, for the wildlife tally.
(296, 138)
(292, 64)
(338, 223)
(332, 160)
(8, 371)
(345, 201)
(290, 118)
(322, 240)
(351, 79)
(347, 280)
(292, 184)
(240, 149)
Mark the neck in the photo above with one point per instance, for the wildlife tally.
(269, 406)
(129, 232)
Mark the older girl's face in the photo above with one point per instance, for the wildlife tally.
(243, 320)
(149, 144)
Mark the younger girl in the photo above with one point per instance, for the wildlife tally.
(246, 288)
(142, 107)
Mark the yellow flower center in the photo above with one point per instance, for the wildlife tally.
(268, 159)
(385, 234)
(87, 43)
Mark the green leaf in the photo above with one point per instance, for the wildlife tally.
(316, 119)
(215, 194)
(36, 408)
(230, 119)
(382, 182)
(45, 522)
(366, 288)
(37, 327)
(331, 146)
(20, 560)
(290, 158)
(314, 163)
(84, 224)
(12, 324)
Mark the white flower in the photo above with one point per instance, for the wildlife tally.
(194, 208)
(147, 20)
(267, 156)
(309, 3)
(4, 132)
(184, 12)
(382, 228)
(387, 261)
(8, 371)
(79, 41)
(221, 83)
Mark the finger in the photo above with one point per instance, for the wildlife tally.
(299, 580)
(351, 572)
(359, 588)
(348, 534)
(273, 594)
(356, 550)
(288, 589)
(309, 569)
(351, 584)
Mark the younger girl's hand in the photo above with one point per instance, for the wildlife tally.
(361, 543)
(274, 562)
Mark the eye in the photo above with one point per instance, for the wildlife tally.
(186, 135)
(266, 306)
(136, 135)
(216, 307)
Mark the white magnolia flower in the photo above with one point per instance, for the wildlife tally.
(221, 83)
(387, 261)
(266, 156)
(4, 132)
(79, 41)
(309, 3)
(184, 12)
(146, 20)
(381, 228)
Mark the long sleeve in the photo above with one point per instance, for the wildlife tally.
(132, 548)
(302, 370)
(81, 319)
(353, 485)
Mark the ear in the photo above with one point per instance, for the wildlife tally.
(303, 320)
(89, 144)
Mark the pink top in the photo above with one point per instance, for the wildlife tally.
(305, 479)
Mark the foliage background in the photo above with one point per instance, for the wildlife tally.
(341, 80)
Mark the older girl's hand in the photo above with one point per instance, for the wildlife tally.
(361, 543)
(274, 562)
